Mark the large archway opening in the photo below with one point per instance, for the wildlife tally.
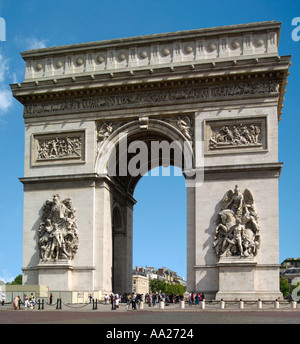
(150, 166)
(159, 220)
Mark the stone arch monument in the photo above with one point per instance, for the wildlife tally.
(99, 115)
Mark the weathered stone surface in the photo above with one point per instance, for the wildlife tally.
(217, 92)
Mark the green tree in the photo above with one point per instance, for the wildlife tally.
(157, 285)
(284, 287)
(176, 289)
(16, 281)
(167, 288)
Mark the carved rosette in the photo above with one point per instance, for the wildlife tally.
(237, 232)
(57, 233)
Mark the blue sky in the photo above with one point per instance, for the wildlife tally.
(41, 23)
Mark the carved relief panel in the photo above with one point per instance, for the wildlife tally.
(235, 135)
(61, 147)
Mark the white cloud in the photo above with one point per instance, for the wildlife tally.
(3, 67)
(6, 98)
(34, 43)
(6, 277)
(29, 43)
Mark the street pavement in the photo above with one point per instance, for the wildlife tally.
(152, 316)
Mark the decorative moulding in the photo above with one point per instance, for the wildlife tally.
(153, 50)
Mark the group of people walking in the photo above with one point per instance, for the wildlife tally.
(133, 300)
(29, 301)
(195, 298)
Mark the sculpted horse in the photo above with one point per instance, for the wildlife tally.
(223, 229)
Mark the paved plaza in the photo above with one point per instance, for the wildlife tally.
(171, 314)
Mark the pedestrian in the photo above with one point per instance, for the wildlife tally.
(133, 301)
(16, 302)
(154, 299)
(112, 301)
(197, 299)
(128, 299)
(192, 298)
(51, 299)
(105, 299)
(3, 298)
(149, 299)
(32, 301)
(26, 301)
(117, 300)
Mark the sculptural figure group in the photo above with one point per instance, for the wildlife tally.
(236, 135)
(57, 233)
(237, 232)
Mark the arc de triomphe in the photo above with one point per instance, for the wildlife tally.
(96, 117)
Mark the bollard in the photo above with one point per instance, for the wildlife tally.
(58, 304)
(294, 304)
(222, 304)
(276, 304)
(182, 304)
(161, 305)
(203, 304)
(95, 304)
(241, 304)
(259, 304)
(142, 305)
